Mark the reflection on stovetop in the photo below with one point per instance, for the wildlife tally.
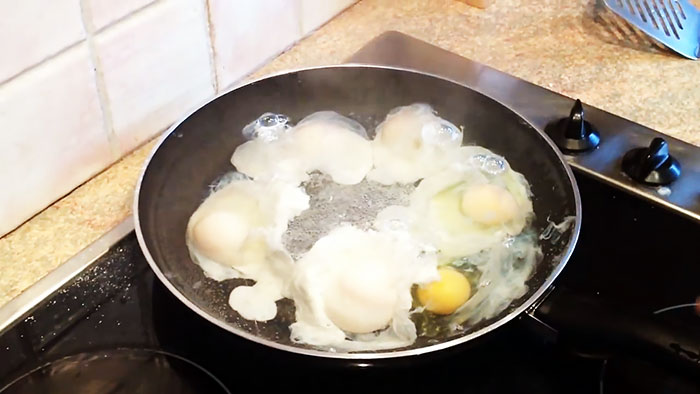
(629, 252)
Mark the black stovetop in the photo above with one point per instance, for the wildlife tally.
(116, 329)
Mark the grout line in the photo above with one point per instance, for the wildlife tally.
(291, 45)
(211, 35)
(329, 20)
(41, 62)
(126, 16)
(78, 42)
(107, 120)
(248, 77)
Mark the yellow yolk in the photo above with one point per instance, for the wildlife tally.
(447, 294)
(220, 234)
(253, 251)
(489, 204)
(402, 136)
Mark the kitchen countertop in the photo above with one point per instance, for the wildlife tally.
(571, 47)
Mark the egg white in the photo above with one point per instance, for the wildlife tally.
(435, 214)
(236, 232)
(412, 143)
(352, 290)
(323, 141)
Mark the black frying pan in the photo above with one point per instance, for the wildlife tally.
(197, 151)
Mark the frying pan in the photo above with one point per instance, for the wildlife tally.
(197, 151)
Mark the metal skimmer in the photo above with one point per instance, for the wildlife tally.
(674, 23)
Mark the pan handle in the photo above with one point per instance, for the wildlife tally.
(584, 320)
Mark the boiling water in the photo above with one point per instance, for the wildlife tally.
(332, 204)
(498, 275)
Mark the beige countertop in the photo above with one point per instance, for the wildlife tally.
(571, 47)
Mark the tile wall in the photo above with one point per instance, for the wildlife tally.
(84, 82)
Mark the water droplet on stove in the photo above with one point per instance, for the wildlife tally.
(664, 191)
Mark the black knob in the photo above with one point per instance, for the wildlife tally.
(653, 165)
(574, 133)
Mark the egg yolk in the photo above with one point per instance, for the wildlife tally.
(400, 134)
(253, 251)
(363, 299)
(219, 235)
(447, 294)
(489, 204)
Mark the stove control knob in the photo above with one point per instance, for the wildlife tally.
(574, 133)
(653, 165)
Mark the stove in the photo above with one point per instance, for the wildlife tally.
(102, 322)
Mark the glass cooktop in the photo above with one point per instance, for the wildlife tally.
(116, 329)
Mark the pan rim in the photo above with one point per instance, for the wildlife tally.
(525, 306)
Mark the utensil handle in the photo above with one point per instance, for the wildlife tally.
(588, 321)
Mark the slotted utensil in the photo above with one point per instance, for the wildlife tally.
(673, 23)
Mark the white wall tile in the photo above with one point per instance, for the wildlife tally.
(156, 67)
(247, 33)
(315, 13)
(33, 30)
(51, 135)
(104, 12)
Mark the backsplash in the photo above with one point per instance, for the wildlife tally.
(84, 82)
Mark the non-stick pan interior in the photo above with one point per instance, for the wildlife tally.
(198, 151)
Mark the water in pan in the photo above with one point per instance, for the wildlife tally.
(332, 204)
